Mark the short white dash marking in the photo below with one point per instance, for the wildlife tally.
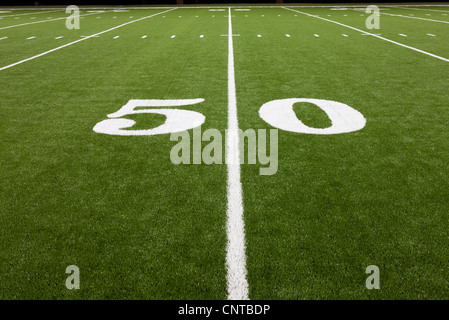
(259, 36)
(202, 36)
(287, 35)
(33, 37)
(344, 35)
(402, 35)
(143, 37)
(3, 38)
(60, 37)
(432, 35)
(173, 36)
(317, 35)
(116, 37)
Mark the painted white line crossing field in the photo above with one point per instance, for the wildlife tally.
(25, 14)
(371, 34)
(48, 20)
(235, 250)
(412, 17)
(82, 39)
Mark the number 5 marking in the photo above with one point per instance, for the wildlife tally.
(280, 114)
(177, 120)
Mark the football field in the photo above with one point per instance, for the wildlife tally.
(362, 173)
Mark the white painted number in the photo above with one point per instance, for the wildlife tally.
(177, 120)
(280, 114)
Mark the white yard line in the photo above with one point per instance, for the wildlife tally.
(24, 14)
(420, 9)
(398, 15)
(374, 35)
(235, 228)
(82, 39)
(48, 20)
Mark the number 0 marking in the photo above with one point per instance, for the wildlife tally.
(280, 114)
(177, 120)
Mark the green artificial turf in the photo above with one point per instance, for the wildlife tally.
(140, 227)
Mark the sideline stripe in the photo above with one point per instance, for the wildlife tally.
(40, 21)
(235, 228)
(398, 15)
(372, 34)
(82, 39)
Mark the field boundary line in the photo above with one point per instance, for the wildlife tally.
(82, 39)
(419, 18)
(235, 228)
(48, 20)
(374, 35)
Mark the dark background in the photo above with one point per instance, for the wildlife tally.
(172, 2)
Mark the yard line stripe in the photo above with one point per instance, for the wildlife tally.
(235, 228)
(398, 15)
(41, 21)
(24, 14)
(82, 39)
(374, 35)
(398, 7)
